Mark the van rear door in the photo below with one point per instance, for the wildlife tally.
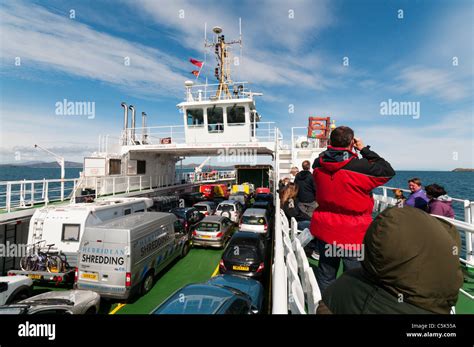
(104, 261)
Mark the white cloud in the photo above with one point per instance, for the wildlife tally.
(445, 145)
(434, 82)
(274, 51)
(52, 42)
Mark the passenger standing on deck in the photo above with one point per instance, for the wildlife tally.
(440, 202)
(344, 194)
(289, 203)
(306, 190)
(418, 197)
(293, 172)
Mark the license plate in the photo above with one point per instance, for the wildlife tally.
(35, 277)
(205, 236)
(240, 268)
(89, 276)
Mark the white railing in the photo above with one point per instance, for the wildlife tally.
(175, 134)
(279, 276)
(113, 185)
(204, 92)
(300, 140)
(294, 285)
(160, 135)
(27, 193)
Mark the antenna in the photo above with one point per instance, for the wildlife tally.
(240, 39)
(222, 53)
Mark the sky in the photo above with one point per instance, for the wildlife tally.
(343, 59)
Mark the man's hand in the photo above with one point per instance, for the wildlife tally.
(358, 144)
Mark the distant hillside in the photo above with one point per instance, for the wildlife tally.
(463, 170)
(43, 165)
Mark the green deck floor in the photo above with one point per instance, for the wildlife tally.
(197, 266)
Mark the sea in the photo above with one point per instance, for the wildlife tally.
(458, 184)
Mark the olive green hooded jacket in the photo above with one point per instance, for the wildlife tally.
(411, 265)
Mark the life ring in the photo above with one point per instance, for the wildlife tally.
(317, 128)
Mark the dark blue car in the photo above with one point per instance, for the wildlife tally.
(224, 294)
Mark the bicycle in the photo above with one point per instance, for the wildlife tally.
(42, 261)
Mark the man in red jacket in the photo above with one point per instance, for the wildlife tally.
(344, 193)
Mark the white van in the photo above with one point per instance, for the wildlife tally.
(121, 257)
(63, 226)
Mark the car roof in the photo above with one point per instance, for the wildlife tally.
(205, 203)
(213, 218)
(258, 212)
(246, 235)
(220, 295)
(235, 202)
(185, 209)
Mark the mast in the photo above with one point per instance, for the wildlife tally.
(222, 71)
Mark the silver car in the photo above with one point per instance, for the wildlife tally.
(207, 208)
(255, 220)
(57, 302)
(213, 231)
(231, 209)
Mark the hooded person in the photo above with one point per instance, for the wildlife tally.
(440, 203)
(410, 266)
(306, 190)
(344, 194)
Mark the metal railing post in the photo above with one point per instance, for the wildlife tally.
(46, 189)
(32, 193)
(8, 197)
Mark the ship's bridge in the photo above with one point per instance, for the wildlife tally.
(213, 119)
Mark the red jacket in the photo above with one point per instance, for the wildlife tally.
(344, 184)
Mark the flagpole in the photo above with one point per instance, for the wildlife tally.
(199, 72)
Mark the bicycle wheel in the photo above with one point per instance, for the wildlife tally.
(54, 263)
(25, 263)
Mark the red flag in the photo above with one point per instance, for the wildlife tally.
(196, 62)
(195, 73)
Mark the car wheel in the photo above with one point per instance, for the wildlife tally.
(90, 310)
(147, 283)
(18, 297)
(186, 249)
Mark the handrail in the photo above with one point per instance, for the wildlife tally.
(279, 280)
(27, 193)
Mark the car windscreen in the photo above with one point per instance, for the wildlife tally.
(206, 226)
(242, 253)
(253, 220)
(225, 207)
(192, 304)
(201, 208)
(179, 213)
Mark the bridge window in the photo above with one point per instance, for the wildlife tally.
(195, 117)
(115, 166)
(236, 115)
(215, 119)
